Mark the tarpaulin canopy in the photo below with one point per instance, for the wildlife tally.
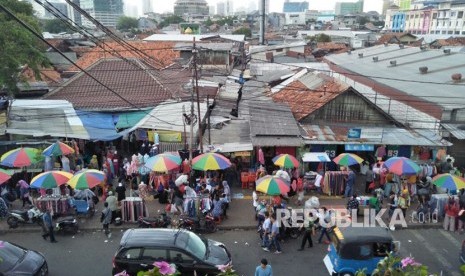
(130, 119)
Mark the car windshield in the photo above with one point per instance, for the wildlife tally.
(192, 244)
(10, 255)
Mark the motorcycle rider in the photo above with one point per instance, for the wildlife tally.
(48, 226)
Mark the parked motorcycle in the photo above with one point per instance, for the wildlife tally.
(204, 224)
(67, 224)
(162, 221)
(31, 216)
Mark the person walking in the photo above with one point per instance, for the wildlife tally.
(325, 226)
(452, 210)
(264, 269)
(265, 230)
(309, 231)
(105, 219)
(369, 178)
(121, 192)
(112, 204)
(48, 226)
(274, 236)
(350, 181)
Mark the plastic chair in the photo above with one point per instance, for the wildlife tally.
(245, 180)
(252, 179)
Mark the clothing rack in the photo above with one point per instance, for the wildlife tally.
(132, 208)
(334, 182)
(58, 205)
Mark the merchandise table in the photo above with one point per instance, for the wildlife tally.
(132, 208)
(59, 205)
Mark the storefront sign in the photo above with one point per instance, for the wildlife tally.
(331, 150)
(166, 136)
(372, 134)
(242, 153)
(354, 133)
(359, 147)
(392, 151)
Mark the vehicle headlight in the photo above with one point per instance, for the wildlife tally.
(74, 221)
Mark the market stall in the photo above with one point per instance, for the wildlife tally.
(132, 208)
(59, 205)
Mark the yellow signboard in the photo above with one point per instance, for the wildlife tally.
(242, 153)
(165, 136)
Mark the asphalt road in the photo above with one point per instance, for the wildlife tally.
(91, 253)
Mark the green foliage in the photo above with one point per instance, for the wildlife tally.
(126, 23)
(245, 31)
(319, 38)
(362, 20)
(226, 20)
(395, 266)
(173, 19)
(208, 22)
(55, 26)
(18, 45)
(226, 270)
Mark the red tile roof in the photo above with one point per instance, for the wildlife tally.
(386, 38)
(304, 101)
(134, 82)
(48, 75)
(158, 54)
(451, 41)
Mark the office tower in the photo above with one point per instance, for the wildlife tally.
(107, 12)
(147, 6)
(295, 6)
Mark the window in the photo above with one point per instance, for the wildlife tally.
(180, 257)
(154, 254)
(460, 14)
(450, 32)
(452, 14)
(435, 15)
(357, 251)
(463, 32)
(131, 254)
(457, 32)
(381, 249)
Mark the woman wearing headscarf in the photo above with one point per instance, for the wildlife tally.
(24, 192)
(93, 164)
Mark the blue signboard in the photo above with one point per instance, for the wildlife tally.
(354, 133)
(359, 147)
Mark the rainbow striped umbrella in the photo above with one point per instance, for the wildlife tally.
(86, 179)
(272, 185)
(210, 161)
(401, 166)
(58, 148)
(163, 162)
(347, 159)
(286, 161)
(50, 179)
(449, 181)
(4, 175)
(21, 157)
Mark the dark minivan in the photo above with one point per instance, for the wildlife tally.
(16, 260)
(140, 248)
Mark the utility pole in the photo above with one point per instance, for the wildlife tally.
(196, 76)
(209, 127)
(262, 22)
(191, 125)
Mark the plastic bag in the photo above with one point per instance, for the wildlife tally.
(312, 202)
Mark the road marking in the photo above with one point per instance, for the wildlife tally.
(433, 252)
(448, 236)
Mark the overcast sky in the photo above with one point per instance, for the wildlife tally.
(275, 5)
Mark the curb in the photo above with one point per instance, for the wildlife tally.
(418, 226)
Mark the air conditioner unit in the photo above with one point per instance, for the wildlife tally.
(375, 59)
(360, 55)
(393, 62)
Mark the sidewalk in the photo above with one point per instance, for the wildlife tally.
(240, 214)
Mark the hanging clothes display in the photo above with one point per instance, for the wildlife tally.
(132, 208)
(59, 205)
(334, 182)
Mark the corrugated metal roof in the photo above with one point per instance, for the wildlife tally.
(378, 135)
(187, 38)
(219, 46)
(457, 130)
(272, 119)
(405, 76)
(264, 141)
(260, 48)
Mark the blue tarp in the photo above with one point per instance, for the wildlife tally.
(100, 126)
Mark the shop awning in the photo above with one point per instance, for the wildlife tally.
(457, 130)
(339, 135)
(316, 157)
(276, 141)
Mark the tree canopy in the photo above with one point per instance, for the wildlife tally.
(19, 46)
(320, 38)
(56, 26)
(245, 31)
(173, 19)
(126, 23)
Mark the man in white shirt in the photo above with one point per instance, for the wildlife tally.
(318, 179)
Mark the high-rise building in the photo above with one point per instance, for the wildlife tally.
(211, 10)
(295, 6)
(59, 8)
(147, 6)
(343, 8)
(73, 14)
(225, 8)
(107, 12)
(131, 10)
(192, 8)
(267, 6)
